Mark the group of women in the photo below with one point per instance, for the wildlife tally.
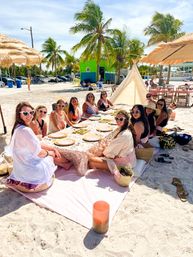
(34, 163)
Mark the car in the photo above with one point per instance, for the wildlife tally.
(55, 80)
(63, 78)
(6, 80)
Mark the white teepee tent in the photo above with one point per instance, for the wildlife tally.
(132, 89)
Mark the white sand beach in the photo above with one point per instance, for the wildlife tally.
(151, 221)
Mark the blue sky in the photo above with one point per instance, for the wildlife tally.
(53, 18)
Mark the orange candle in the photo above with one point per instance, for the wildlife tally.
(100, 217)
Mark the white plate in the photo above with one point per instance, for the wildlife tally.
(92, 137)
(94, 118)
(80, 125)
(64, 142)
(104, 128)
(58, 134)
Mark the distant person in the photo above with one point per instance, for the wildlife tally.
(28, 80)
(103, 103)
(149, 99)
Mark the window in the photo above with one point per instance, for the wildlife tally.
(87, 69)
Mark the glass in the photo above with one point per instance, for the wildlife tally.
(101, 216)
(25, 113)
(119, 119)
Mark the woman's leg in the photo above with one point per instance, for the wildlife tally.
(97, 163)
(63, 162)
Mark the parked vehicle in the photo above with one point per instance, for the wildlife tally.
(6, 79)
(55, 80)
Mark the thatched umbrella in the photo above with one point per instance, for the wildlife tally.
(13, 51)
(177, 51)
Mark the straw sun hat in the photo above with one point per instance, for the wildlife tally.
(151, 105)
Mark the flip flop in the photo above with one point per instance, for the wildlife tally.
(166, 155)
(182, 194)
(161, 159)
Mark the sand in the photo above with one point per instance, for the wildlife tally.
(151, 222)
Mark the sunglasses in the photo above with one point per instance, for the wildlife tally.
(160, 104)
(119, 119)
(42, 111)
(148, 96)
(25, 113)
(61, 105)
(135, 112)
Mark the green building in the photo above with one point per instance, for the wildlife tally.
(88, 71)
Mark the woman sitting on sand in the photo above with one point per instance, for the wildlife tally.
(103, 103)
(150, 112)
(74, 112)
(89, 107)
(117, 151)
(38, 124)
(58, 118)
(162, 118)
(140, 124)
(34, 163)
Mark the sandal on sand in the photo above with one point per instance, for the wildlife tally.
(186, 148)
(161, 159)
(182, 194)
(166, 155)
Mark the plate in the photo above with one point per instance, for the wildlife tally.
(112, 122)
(92, 137)
(79, 125)
(105, 120)
(104, 128)
(64, 142)
(58, 134)
(94, 118)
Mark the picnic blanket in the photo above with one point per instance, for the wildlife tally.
(73, 196)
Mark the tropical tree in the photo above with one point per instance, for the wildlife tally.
(136, 50)
(163, 28)
(71, 63)
(95, 40)
(53, 53)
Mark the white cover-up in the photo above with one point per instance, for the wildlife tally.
(27, 166)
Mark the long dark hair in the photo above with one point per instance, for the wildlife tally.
(142, 118)
(127, 124)
(71, 107)
(87, 96)
(18, 120)
(164, 107)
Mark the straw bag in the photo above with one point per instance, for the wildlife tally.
(6, 164)
(167, 142)
(144, 153)
(125, 176)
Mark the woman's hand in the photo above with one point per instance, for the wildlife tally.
(57, 153)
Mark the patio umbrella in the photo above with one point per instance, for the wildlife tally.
(13, 51)
(177, 51)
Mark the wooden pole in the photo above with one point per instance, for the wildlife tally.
(4, 127)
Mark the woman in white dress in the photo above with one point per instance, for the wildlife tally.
(34, 163)
(117, 151)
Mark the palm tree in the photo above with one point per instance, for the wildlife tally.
(91, 23)
(71, 62)
(53, 53)
(136, 50)
(163, 28)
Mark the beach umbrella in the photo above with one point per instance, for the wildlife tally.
(177, 51)
(14, 51)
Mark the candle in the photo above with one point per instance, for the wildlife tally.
(100, 217)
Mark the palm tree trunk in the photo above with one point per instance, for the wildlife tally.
(160, 75)
(168, 76)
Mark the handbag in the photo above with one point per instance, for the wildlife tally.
(144, 153)
(167, 142)
(182, 139)
(6, 164)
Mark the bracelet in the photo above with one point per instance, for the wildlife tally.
(47, 153)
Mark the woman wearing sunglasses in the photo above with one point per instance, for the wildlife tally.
(89, 107)
(34, 163)
(140, 124)
(119, 151)
(162, 118)
(74, 112)
(38, 124)
(58, 118)
(103, 103)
